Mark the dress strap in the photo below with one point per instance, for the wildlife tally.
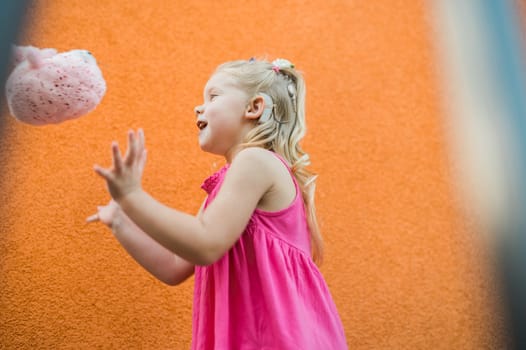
(284, 161)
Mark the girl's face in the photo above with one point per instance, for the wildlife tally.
(220, 118)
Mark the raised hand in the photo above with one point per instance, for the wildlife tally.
(124, 176)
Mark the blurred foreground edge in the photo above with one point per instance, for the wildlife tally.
(481, 52)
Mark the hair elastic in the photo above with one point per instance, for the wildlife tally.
(280, 63)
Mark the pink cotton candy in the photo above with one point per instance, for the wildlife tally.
(46, 87)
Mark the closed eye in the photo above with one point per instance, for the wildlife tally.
(212, 97)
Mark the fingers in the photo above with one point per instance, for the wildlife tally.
(93, 218)
(128, 170)
(104, 173)
(142, 161)
(117, 160)
(141, 139)
(135, 147)
(142, 150)
(138, 144)
(131, 151)
(135, 150)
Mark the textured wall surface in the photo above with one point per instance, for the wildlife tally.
(405, 271)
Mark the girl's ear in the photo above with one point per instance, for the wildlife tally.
(255, 107)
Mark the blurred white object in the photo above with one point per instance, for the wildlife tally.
(482, 139)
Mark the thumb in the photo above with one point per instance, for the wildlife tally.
(92, 218)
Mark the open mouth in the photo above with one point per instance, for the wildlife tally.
(201, 124)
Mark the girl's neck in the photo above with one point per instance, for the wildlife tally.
(231, 153)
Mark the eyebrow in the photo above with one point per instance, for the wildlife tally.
(212, 88)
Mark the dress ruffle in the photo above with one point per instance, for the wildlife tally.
(211, 182)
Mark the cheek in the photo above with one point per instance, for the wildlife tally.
(221, 129)
(222, 119)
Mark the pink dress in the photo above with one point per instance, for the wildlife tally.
(266, 292)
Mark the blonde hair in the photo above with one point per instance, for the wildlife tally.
(285, 128)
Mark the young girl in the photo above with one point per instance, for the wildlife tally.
(253, 244)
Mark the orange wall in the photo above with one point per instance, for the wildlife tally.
(405, 271)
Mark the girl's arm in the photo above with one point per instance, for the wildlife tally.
(199, 240)
(205, 239)
(156, 259)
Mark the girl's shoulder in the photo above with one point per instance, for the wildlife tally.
(268, 163)
(257, 152)
(272, 169)
(260, 155)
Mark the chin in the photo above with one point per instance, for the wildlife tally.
(208, 149)
(203, 144)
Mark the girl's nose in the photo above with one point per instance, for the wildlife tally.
(198, 110)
